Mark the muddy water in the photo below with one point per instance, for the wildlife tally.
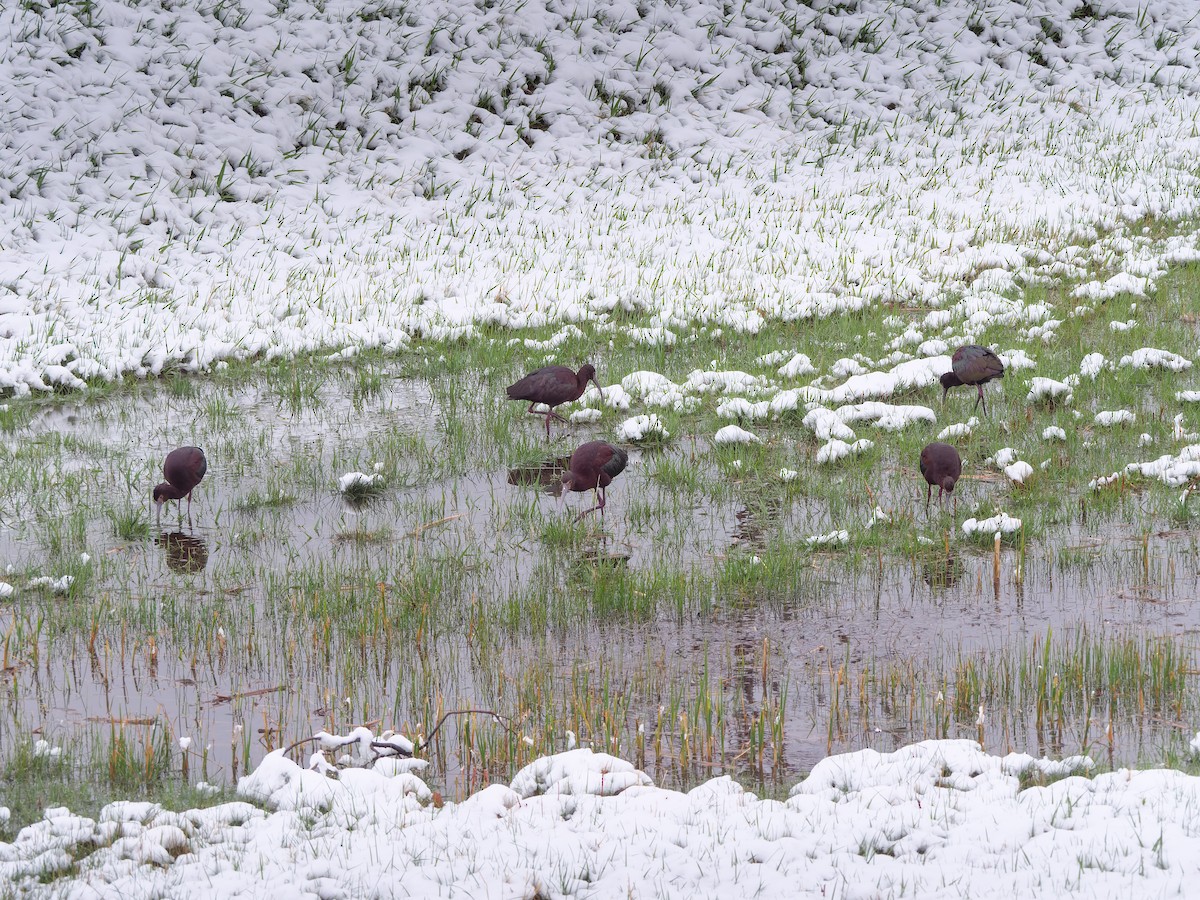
(250, 626)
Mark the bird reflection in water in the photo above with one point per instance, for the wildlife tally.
(752, 523)
(599, 553)
(943, 572)
(186, 553)
(547, 475)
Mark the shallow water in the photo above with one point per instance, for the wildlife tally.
(256, 624)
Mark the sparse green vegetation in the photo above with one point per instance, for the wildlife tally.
(712, 621)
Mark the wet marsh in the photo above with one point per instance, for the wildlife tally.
(695, 630)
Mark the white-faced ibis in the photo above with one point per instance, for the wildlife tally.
(972, 364)
(553, 385)
(593, 466)
(941, 465)
(183, 469)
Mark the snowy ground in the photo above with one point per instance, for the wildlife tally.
(183, 184)
(936, 819)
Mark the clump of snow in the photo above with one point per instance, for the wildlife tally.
(701, 381)
(1152, 358)
(847, 366)
(560, 337)
(43, 748)
(1180, 433)
(879, 517)
(1005, 456)
(886, 416)
(587, 415)
(654, 389)
(1092, 365)
(1016, 360)
(1048, 389)
(774, 358)
(1122, 283)
(1053, 433)
(835, 450)
(652, 337)
(57, 585)
(1173, 471)
(741, 408)
(576, 773)
(1018, 471)
(958, 430)
(830, 539)
(732, 434)
(1115, 417)
(352, 481)
(827, 425)
(916, 373)
(642, 428)
(797, 366)
(1001, 522)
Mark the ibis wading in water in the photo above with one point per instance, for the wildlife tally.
(593, 466)
(972, 364)
(941, 465)
(553, 385)
(183, 469)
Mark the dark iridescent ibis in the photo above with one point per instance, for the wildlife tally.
(972, 364)
(183, 469)
(553, 385)
(593, 466)
(941, 465)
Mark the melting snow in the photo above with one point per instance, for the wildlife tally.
(835, 450)
(1115, 417)
(831, 539)
(1173, 471)
(1049, 389)
(1091, 365)
(1001, 522)
(1018, 471)
(1151, 358)
(641, 428)
(352, 480)
(938, 813)
(732, 434)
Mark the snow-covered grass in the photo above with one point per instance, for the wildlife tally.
(957, 822)
(242, 181)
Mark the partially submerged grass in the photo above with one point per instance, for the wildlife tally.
(693, 629)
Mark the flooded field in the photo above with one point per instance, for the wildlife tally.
(693, 629)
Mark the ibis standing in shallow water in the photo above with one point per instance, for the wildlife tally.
(941, 465)
(553, 385)
(184, 468)
(972, 364)
(593, 466)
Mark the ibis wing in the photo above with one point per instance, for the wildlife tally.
(544, 385)
(974, 364)
(616, 462)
